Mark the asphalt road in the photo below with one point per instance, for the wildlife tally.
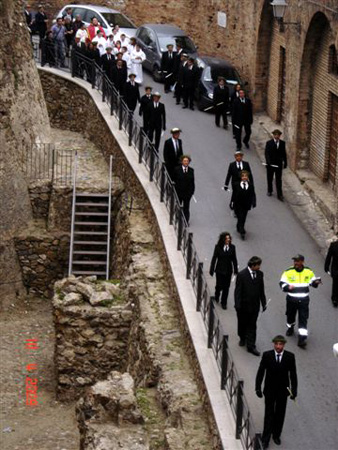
(274, 234)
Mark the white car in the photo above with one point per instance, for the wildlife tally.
(108, 18)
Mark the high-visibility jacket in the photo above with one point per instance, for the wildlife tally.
(301, 280)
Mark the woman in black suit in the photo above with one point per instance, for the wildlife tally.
(224, 263)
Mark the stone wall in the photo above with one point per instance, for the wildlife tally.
(23, 121)
(92, 321)
(43, 258)
(39, 194)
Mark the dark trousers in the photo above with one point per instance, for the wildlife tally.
(241, 214)
(334, 295)
(275, 407)
(157, 131)
(246, 328)
(238, 134)
(178, 92)
(60, 52)
(222, 285)
(188, 96)
(302, 306)
(277, 172)
(221, 111)
(185, 202)
(168, 82)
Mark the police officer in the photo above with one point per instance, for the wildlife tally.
(296, 281)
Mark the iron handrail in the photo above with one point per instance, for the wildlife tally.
(109, 214)
(70, 268)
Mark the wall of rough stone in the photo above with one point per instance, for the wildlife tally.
(23, 121)
(43, 258)
(39, 194)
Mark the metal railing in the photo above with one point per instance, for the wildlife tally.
(149, 156)
(71, 247)
(43, 162)
(109, 215)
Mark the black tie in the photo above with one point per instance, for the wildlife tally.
(254, 275)
(278, 358)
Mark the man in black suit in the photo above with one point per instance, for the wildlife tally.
(190, 79)
(234, 171)
(275, 157)
(221, 102)
(108, 62)
(332, 260)
(179, 76)
(131, 93)
(249, 295)
(79, 50)
(243, 199)
(168, 67)
(144, 102)
(279, 368)
(120, 76)
(185, 184)
(156, 119)
(242, 117)
(173, 151)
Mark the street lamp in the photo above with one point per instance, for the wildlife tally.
(279, 8)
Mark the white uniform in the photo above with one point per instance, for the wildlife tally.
(101, 44)
(137, 57)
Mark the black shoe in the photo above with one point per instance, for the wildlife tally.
(254, 351)
(265, 445)
(302, 341)
(177, 103)
(217, 125)
(225, 127)
(246, 144)
(216, 299)
(241, 343)
(335, 304)
(269, 194)
(192, 108)
(184, 107)
(243, 236)
(289, 331)
(276, 440)
(281, 198)
(224, 306)
(166, 92)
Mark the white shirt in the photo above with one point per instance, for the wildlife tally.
(82, 34)
(252, 272)
(176, 146)
(281, 356)
(239, 165)
(244, 185)
(276, 142)
(226, 248)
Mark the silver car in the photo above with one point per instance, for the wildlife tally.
(107, 17)
(154, 38)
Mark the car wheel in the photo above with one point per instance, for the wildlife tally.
(156, 74)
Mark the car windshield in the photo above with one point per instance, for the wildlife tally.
(186, 43)
(117, 19)
(211, 74)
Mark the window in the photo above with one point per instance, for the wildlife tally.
(117, 19)
(144, 36)
(79, 11)
(333, 60)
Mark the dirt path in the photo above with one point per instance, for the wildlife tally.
(49, 425)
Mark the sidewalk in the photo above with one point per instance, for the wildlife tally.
(311, 201)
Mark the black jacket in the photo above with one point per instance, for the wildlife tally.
(168, 64)
(144, 102)
(171, 157)
(278, 376)
(243, 198)
(120, 78)
(332, 259)
(221, 96)
(156, 116)
(249, 293)
(190, 77)
(224, 262)
(185, 183)
(234, 174)
(242, 112)
(108, 65)
(131, 95)
(275, 156)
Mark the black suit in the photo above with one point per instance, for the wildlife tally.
(279, 376)
(144, 102)
(221, 95)
(249, 295)
(172, 155)
(242, 201)
(120, 79)
(156, 121)
(179, 81)
(168, 65)
(275, 156)
(332, 260)
(224, 263)
(131, 95)
(190, 78)
(234, 173)
(242, 116)
(185, 188)
(108, 65)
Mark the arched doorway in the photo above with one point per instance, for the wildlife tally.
(314, 98)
